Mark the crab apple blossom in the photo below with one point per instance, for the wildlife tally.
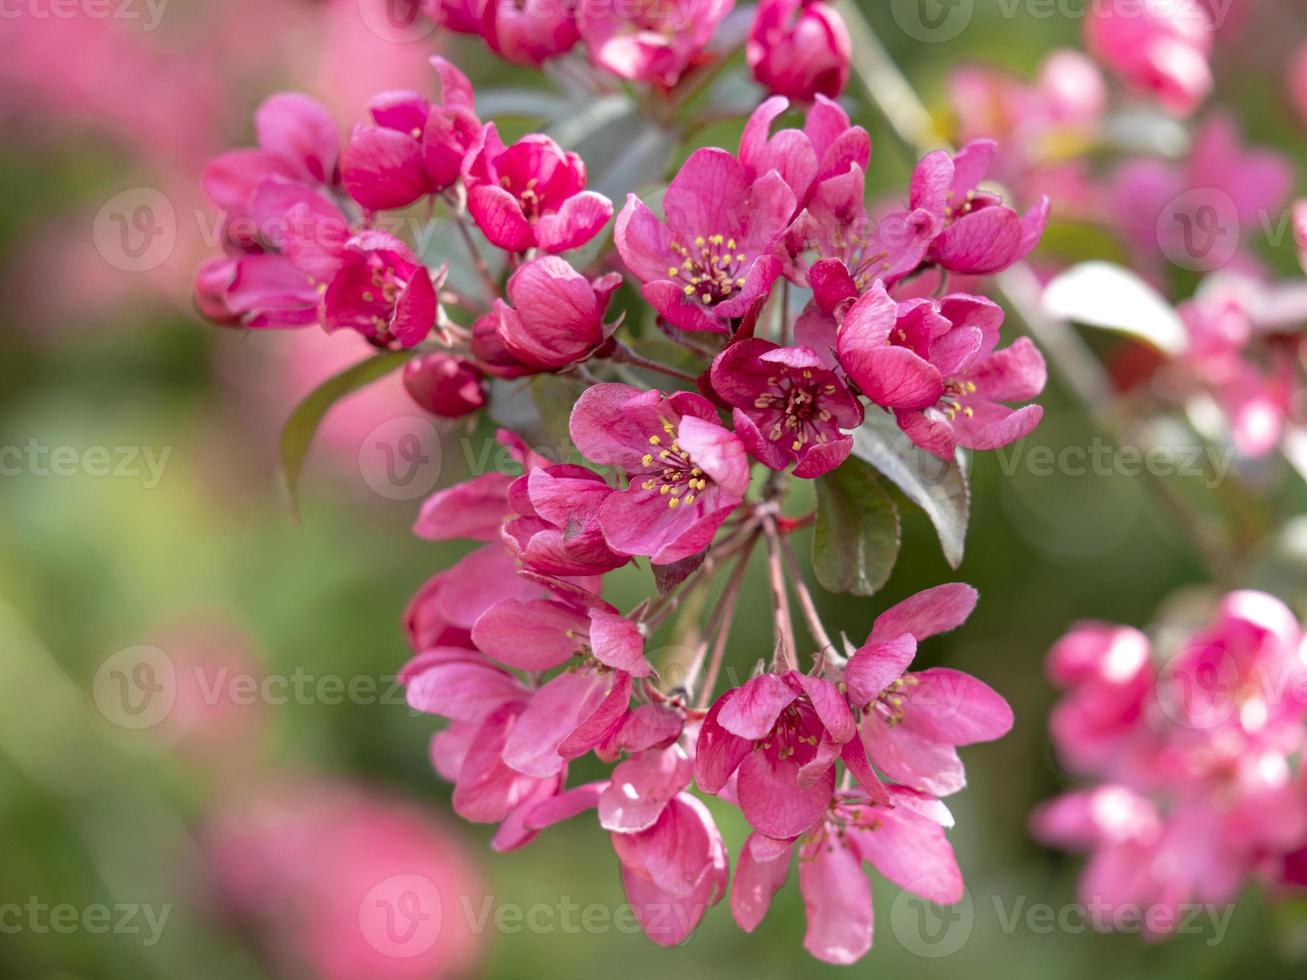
(531, 194)
(787, 406)
(1159, 47)
(558, 532)
(713, 258)
(901, 836)
(530, 32)
(829, 146)
(382, 291)
(556, 318)
(799, 49)
(980, 235)
(415, 147)
(650, 41)
(685, 472)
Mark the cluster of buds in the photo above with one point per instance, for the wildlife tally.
(1194, 749)
(841, 753)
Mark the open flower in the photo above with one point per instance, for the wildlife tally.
(650, 41)
(382, 291)
(827, 147)
(799, 49)
(787, 405)
(556, 319)
(713, 258)
(980, 235)
(531, 194)
(901, 837)
(781, 735)
(685, 472)
(913, 722)
(415, 148)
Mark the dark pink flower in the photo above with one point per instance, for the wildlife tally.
(556, 318)
(783, 735)
(447, 386)
(531, 194)
(980, 235)
(530, 32)
(416, 147)
(713, 258)
(685, 472)
(827, 147)
(787, 406)
(799, 49)
(381, 291)
(459, 16)
(558, 532)
(902, 837)
(934, 363)
(912, 723)
(1155, 46)
(650, 42)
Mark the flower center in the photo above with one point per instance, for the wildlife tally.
(528, 197)
(889, 703)
(712, 268)
(796, 394)
(954, 391)
(788, 735)
(671, 471)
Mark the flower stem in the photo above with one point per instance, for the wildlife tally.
(624, 355)
(784, 658)
(827, 651)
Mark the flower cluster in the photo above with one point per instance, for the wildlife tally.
(780, 315)
(1194, 750)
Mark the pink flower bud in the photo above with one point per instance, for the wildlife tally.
(444, 385)
(799, 49)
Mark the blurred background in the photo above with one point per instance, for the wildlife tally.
(234, 826)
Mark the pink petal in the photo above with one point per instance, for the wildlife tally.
(911, 851)
(932, 611)
(499, 216)
(932, 767)
(751, 710)
(950, 706)
(581, 217)
(718, 753)
(382, 168)
(876, 665)
(473, 509)
(533, 636)
(618, 643)
(553, 713)
(641, 788)
(837, 897)
(772, 798)
(755, 884)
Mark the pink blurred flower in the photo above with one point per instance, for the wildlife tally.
(650, 42)
(712, 259)
(1159, 47)
(530, 32)
(337, 882)
(799, 49)
(787, 406)
(685, 473)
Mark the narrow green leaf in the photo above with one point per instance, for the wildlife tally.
(937, 486)
(856, 541)
(297, 435)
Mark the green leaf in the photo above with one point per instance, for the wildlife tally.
(553, 396)
(856, 541)
(297, 436)
(937, 486)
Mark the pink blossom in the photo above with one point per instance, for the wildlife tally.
(558, 532)
(459, 16)
(787, 406)
(913, 722)
(781, 735)
(827, 147)
(415, 148)
(652, 42)
(685, 473)
(382, 291)
(902, 837)
(446, 386)
(799, 49)
(531, 194)
(556, 319)
(980, 234)
(1159, 47)
(934, 363)
(712, 259)
(530, 32)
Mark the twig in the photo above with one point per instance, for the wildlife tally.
(784, 659)
(624, 355)
(827, 649)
